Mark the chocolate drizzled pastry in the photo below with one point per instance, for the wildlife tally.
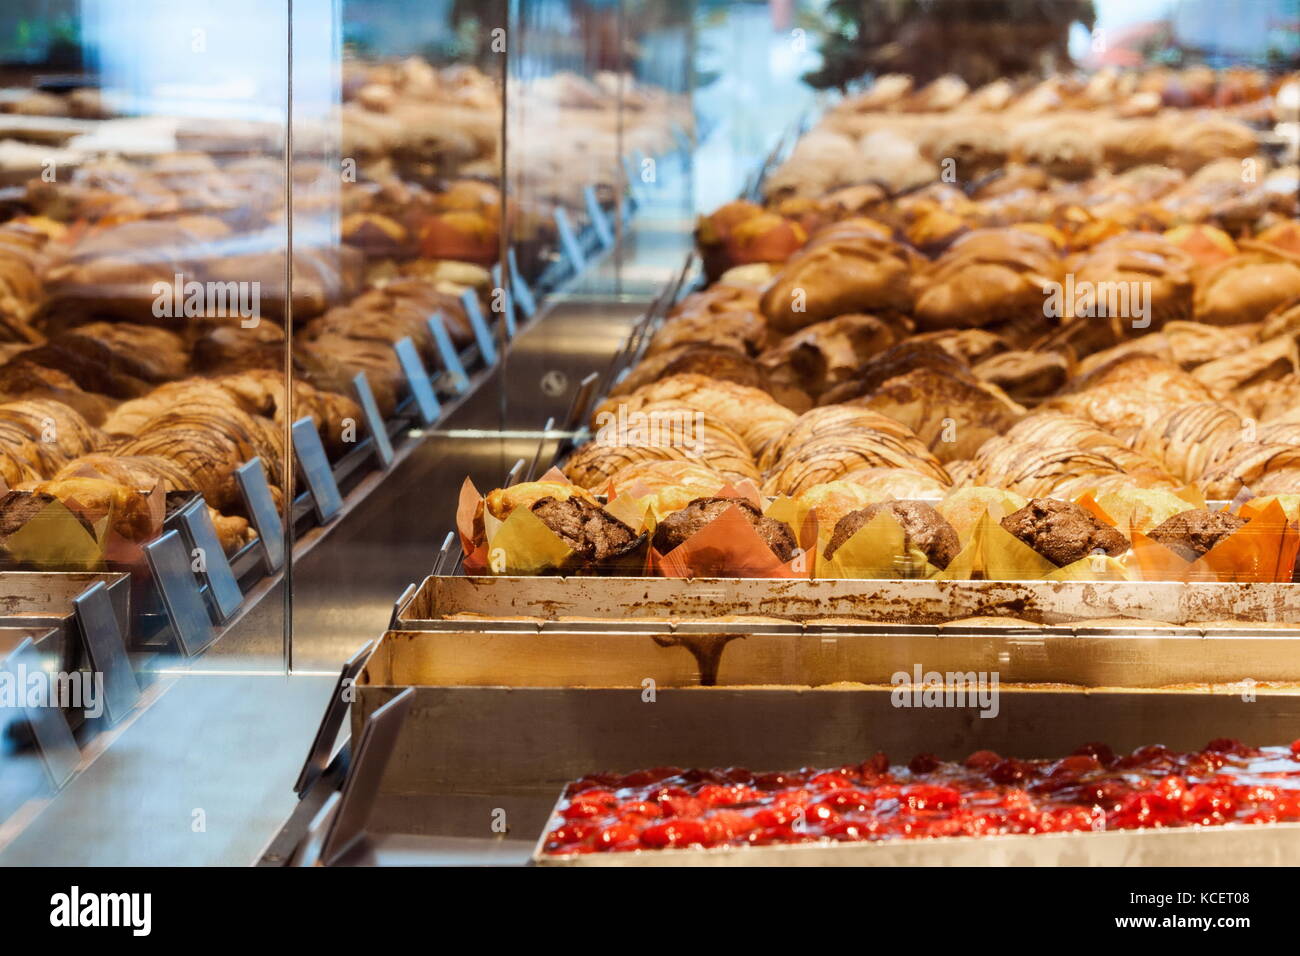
(589, 530)
(680, 525)
(1063, 532)
(924, 527)
(1190, 534)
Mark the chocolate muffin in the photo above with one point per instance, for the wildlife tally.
(924, 527)
(19, 507)
(1063, 532)
(680, 525)
(1190, 534)
(589, 530)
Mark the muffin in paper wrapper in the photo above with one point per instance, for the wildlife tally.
(1262, 550)
(522, 544)
(877, 550)
(58, 538)
(994, 554)
(729, 547)
(69, 534)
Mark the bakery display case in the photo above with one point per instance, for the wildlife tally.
(648, 433)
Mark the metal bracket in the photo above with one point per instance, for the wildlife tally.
(170, 564)
(447, 352)
(369, 761)
(318, 756)
(374, 421)
(316, 469)
(426, 402)
(94, 612)
(523, 294)
(251, 477)
(54, 741)
(569, 244)
(599, 221)
(581, 401)
(223, 589)
(482, 334)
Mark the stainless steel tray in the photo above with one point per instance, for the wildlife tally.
(1235, 845)
(739, 657)
(494, 727)
(508, 602)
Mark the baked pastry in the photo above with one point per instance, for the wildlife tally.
(827, 353)
(1266, 468)
(951, 415)
(1063, 532)
(1189, 439)
(749, 412)
(1246, 287)
(838, 277)
(1190, 534)
(501, 502)
(1272, 359)
(923, 528)
(677, 527)
(1024, 376)
(592, 533)
(895, 361)
(985, 277)
(667, 485)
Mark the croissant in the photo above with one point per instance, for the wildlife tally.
(987, 276)
(952, 416)
(838, 277)
(1273, 359)
(750, 412)
(835, 456)
(1264, 468)
(1246, 288)
(1189, 439)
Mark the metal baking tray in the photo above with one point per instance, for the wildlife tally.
(469, 754)
(741, 657)
(501, 721)
(505, 602)
(1233, 845)
(42, 600)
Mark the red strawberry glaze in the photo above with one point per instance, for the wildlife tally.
(984, 795)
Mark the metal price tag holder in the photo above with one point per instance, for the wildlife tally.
(369, 760)
(426, 403)
(223, 589)
(170, 564)
(507, 301)
(316, 469)
(251, 477)
(447, 352)
(336, 709)
(569, 244)
(482, 334)
(374, 421)
(522, 293)
(94, 612)
(599, 221)
(54, 741)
